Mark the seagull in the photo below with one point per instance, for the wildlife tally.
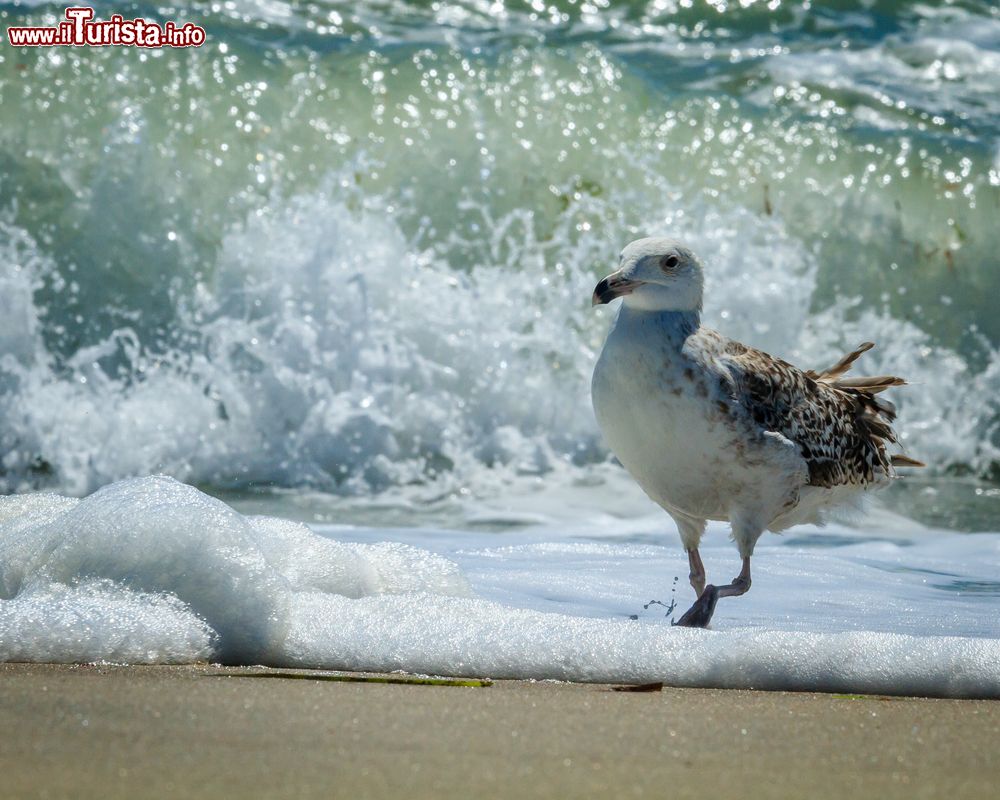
(712, 429)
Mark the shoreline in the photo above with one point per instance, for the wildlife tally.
(169, 731)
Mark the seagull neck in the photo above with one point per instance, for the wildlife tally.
(675, 324)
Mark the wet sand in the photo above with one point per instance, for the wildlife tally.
(154, 732)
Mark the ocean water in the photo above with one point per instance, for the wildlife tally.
(335, 267)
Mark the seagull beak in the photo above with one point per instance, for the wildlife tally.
(615, 285)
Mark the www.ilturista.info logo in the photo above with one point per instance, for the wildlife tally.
(80, 29)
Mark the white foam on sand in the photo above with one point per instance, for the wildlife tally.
(153, 571)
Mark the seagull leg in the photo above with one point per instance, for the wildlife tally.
(740, 584)
(697, 573)
(700, 614)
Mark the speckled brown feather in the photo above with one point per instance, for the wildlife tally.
(839, 425)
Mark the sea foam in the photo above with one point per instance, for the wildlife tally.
(153, 571)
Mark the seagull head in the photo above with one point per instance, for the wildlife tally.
(655, 274)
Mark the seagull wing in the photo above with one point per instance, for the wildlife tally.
(839, 424)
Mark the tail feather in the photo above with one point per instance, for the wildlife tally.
(876, 413)
(878, 427)
(885, 408)
(872, 385)
(842, 366)
(900, 460)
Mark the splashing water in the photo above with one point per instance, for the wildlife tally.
(353, 251)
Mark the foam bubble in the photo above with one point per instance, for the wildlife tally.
(470, 638)
(101, 621)
(164, 544)
(153, 571)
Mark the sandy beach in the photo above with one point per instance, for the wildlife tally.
(109, 731)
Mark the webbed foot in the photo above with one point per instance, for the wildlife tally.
(700, 614)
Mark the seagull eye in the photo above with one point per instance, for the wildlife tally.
(669, 262)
